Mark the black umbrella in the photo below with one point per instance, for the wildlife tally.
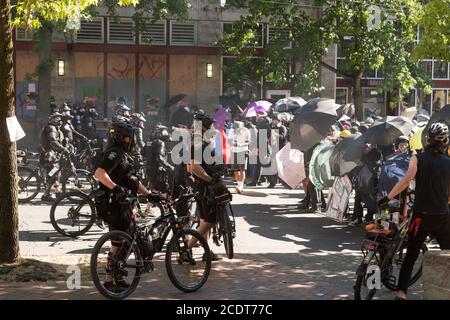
(290, 104)
(386, 131)
(182, 118)
(346, 154)
(175, 100)
(442, 116)
(312, 122)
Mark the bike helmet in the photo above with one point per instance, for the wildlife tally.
(438, 132)
(124, 111)
(55, 118)
(121, 130)
(162, 133)
(138, 119)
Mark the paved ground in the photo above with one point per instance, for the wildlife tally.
(280, 254)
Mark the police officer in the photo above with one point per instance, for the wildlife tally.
(88, 127)
(68, 129)
(51, 148)
(138, 120)
(159, 170)
(207, 176)
(118, 180)
(122, 111)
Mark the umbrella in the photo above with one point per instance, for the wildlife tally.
(346, 154)
(346, 109)
(175, 100)
(319, 166)
(387, 130)
(415, 142)
(392, 172)
(182, 118)
(312, 122)
(442, 116)
(409, 112)
(290, 104)
(290, 165)
(255, 106)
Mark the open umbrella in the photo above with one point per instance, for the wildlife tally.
(175, 100)
(386, 131)
(290, 165)
(319, 166)
(347, 109)
(290, 104)
(442, 116)
(182, 118)
(255, 106)
(312, 122)
(346, 154)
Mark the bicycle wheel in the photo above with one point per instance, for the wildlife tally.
(364, 288)
(227, 233)
(29, 184)
(80, 180)
(188, 269)
(124, 265)
(72, 214)
(392, 280)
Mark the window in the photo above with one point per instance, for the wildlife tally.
(372, 96)
(341, 95)
(439, 97)
(90, 31)
(440, 70)
(427, 67)
(228, 27)
(153, 34)
(24, 34)
(183, 33)
(373, 73)
(121, 32)
(281, 33)
(409, 100)
(423, 101)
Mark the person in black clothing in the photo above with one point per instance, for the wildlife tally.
(50, 151)
(208, 181)
(70, 134)
(282, 140)
(310, 202)
(138, 120)
(431, 169)
(159, 170)
(88, 127)
(118, 180)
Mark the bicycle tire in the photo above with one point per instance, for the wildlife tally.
(227, 233)
(32, 173)
(70, 196)
(79, 173)
(93, 266)
(360, 282)
(173, 247)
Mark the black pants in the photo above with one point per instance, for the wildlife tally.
(311, 197)
(436, 225)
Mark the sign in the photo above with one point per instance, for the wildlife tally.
(338, 198)
(15, 130)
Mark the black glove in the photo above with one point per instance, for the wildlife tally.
(120, 193)
(383, 201)
(153, 197)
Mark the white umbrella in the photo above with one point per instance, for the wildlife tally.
(290, 165)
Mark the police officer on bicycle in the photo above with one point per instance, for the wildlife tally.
(50, 151)
(118, 180)
(70, 134)
(207, 175)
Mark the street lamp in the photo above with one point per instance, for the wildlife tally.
(61, 67)
(209, 70)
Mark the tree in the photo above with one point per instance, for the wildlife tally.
(365, 44)
(435, 27)
(35, 14)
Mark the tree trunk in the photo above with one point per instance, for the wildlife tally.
(9, 209)
(357, 96)
(45, 50)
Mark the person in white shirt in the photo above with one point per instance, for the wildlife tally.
(240, 148)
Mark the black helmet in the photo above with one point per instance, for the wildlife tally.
(119, 131)
(205, 118)
(55, 118)
(162, 132)
(438, 132)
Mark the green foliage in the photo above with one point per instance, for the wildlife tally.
(313, 30)
(435, 23)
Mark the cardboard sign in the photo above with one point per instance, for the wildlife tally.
(15, 130)
(338, 198)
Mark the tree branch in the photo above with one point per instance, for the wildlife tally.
(333, 69)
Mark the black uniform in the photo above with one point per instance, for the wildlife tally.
(119, 166)
(51, 148)
(70, 133)
(159, 170)
(88, 126)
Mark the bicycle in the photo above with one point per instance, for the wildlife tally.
(73, 214)
(32, 179)
(385, 249)
(137, 248)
